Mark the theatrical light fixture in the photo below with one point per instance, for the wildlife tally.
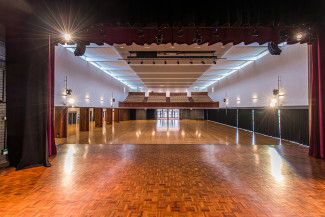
(274, 48)
(67, 37)
(177, 61)
(68, 92)
(141, 62)
(214, 62)
(165, 62)
(299, 36)
(202, 62)
(80, 50)
(191, 62)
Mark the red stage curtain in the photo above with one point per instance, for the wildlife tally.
(317, 96)
(50, 100)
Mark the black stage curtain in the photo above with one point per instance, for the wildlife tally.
(266, 122)
(132, 114)
(231, 117)
(294, 125)
(27, 89)
(224, 116)
(150, 114)
(206, 114)
(213, 114)
(245, 119)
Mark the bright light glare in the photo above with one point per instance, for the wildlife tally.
(299, 36)
(67, 37)
(273, 103)
(71, 101)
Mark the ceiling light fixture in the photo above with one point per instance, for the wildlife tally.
(67, 37)
(299, 36)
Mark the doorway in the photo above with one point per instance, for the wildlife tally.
(168, 114)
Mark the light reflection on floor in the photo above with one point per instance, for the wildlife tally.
(251, 176)
(167, 132)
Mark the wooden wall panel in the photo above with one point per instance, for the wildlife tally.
(98, 116)
(60, 122)
(116, 115)
(123, 114)
(84, 119)
(108, 116)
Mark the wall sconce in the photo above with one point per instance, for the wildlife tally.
(238, 100)
(254, 99)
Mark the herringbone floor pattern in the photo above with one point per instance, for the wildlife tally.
(169, 180)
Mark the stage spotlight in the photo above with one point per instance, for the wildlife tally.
(67, 37)
(273, 48)
(80, 49)
(299, 36)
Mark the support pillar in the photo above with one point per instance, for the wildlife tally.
(84, 119)
(116, 115)
(60, 122)
(98, 116)
(108, 116)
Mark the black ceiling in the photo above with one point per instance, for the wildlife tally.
(173, 12)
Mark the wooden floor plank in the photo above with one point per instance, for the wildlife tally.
(230, 177)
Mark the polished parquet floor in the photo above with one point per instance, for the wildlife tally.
(239, 174)
(164, 132)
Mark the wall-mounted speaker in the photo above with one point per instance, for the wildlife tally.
(274, 48)
(80, 49)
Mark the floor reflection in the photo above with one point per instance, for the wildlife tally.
(276, 164)
(167, 132)
(169, 180)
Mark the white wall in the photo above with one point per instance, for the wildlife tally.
(85, 80)
(258, 79)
